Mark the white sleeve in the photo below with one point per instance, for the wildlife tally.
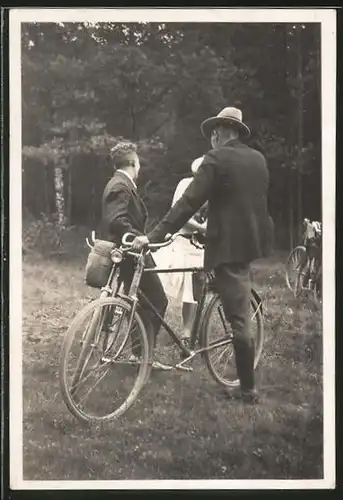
(181, 188)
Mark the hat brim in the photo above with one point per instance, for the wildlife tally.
(208, 125)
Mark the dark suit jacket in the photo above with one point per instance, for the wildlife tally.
(123, 210)
(234, 179)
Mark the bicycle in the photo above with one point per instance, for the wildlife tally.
(303, 267)
(111, 330)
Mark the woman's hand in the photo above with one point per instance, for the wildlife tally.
(203, 228)
(193, 226)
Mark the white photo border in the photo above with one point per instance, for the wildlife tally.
(327, 18)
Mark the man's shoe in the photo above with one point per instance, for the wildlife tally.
(185, 341)
(249, 396)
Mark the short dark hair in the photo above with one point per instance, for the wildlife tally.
(123, 154)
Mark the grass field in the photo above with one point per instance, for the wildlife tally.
(182, 426)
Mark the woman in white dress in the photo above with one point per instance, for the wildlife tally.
(181, 253)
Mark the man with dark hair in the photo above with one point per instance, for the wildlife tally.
(125, 212)
(234, 179)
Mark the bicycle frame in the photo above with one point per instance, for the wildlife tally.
(312, 265)
(135, 295)
(199, 309)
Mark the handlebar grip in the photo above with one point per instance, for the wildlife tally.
(128, 238)
(90, 243)
(125, 238)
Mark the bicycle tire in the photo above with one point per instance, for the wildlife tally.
(140, 370)
(292, 265)
(317, 289)
(204, 339)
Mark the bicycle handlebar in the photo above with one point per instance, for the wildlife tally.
(169, 240)
(130, 236)
(92, 240)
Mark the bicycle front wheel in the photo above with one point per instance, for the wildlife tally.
(104, 360)
(216, 337)
(294, 264)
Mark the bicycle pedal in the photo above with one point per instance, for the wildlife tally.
(184, 368)
(106, 359)
(157, 365)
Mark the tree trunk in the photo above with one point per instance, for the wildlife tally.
(317, 52)
(291, 210)
(290, 171)
(133, 123)
(93, 204)
(132, 113)
(46, 191)
(59, 195)
(69, 195)
(300, 131)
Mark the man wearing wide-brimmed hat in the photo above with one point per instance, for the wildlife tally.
(229, 120)
(234, 179)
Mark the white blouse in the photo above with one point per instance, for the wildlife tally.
(180, 189)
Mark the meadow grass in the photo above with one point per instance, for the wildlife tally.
(182, 426)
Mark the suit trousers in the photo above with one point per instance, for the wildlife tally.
(234, 287)
(152, 288)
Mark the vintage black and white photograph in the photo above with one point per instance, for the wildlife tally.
(173, 255)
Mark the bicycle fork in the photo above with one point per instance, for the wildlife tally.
(308, 271)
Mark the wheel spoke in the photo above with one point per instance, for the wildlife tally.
(222, 317)
(294, 265)
(98, 379)
(225, 365)
(93, 387)
(218, 347)
(84, 379)
(220, 356)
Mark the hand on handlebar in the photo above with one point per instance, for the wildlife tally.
(130, 239)
(140, 242)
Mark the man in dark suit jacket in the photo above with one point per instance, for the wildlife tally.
(125, 212)
(234, 179)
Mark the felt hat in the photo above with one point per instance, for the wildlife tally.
(225, 117)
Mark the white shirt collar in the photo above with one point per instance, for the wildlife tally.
(128, 176)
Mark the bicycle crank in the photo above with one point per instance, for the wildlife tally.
(184, 368)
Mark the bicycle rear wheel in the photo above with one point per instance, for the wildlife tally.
(98, 377)
(216, 336)
(316, 291)
(295, 262)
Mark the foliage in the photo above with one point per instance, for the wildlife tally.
(46, 237)
(87, 85)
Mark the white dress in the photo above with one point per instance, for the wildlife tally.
(181, 253)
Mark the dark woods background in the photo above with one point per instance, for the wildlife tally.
(85, 85)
